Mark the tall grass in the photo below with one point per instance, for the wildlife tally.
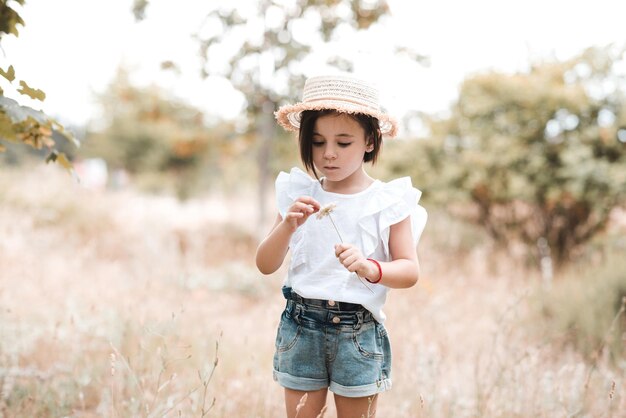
(585, 308)
(116, 304)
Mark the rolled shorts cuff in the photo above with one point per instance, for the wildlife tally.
(360, 391)
(304, 384)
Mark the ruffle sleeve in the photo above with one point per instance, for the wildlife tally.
(392, 203)
(290, 186)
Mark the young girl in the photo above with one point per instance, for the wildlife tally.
(360, 243)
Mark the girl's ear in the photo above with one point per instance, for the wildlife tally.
(370, 144)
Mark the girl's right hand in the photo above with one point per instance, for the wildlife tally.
(299, 212)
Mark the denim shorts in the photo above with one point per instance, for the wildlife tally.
(336, 345)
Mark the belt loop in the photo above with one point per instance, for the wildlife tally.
(296, 313)
(359, 320)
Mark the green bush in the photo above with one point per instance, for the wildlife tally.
(532, 156)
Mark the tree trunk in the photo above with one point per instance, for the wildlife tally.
(265, 133)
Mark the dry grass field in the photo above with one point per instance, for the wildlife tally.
(118, 304)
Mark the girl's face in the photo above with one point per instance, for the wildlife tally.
(339, 145)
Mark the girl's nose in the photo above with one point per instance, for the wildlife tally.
(330, 154)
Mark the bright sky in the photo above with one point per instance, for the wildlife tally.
(71, 49)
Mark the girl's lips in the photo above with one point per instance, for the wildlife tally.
(331, 168)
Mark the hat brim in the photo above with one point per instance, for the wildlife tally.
(288, 116)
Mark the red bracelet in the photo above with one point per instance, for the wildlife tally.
(380, 271)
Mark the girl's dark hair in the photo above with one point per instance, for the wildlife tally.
(307, 124)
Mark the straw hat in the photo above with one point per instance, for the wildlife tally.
(342, 93)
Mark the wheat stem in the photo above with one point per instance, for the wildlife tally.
(341, 240)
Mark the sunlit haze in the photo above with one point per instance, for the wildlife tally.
(72, 49)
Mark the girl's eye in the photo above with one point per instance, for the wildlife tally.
(318, 143)
(344, 144)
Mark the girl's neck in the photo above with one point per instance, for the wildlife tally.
(355, 183)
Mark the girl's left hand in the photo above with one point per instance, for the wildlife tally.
(354, 261)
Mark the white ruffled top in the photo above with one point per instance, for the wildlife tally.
(363, 219)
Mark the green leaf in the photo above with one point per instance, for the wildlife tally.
(31, 92)
(9, 74)
(9, 19)
(34, 128)
(7, 130)
(60, 158)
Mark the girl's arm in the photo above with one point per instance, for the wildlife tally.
(272, 251)
(402, 272)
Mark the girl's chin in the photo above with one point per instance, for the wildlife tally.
(332, 175)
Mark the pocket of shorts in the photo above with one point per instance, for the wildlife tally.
(288, 333)
(368, 342)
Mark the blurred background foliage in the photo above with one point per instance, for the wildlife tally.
(536, 157)
(164, 145)
(169, 146)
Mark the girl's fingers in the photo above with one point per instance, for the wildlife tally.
(292, 215)
(302, 207)
(355, 265)
(341, 248)
(349, 261)
(349, 256)
(307, 200)
(300, 210)
(343, 251)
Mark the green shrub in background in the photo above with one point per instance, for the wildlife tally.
(585, 308)
(164, 144)
(169, 146)
(532, 156)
